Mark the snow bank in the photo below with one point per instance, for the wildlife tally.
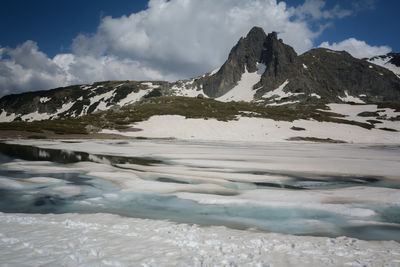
(104, 239)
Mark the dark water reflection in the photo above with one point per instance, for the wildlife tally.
(32, 153)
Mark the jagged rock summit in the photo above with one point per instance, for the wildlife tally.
(260, 68)
(277, 58)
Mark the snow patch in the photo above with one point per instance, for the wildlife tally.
(133, 97)
(44, 99)
(349, 98)
(278, 93)
(282, 103)
(244, 90)
(86, 87)
(150, 85)
(103, 97)
(315, 95)
(351, 112)
(7, 118)
(36, 116)
(186, 88)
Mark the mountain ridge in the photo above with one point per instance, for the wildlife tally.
(268, 69)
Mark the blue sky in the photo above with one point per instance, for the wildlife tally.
(47, 43)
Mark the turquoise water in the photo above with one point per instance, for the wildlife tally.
(99, 195)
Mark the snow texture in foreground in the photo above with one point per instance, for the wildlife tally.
(110, 240)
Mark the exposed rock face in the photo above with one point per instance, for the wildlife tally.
(280, 60)
(332, 73)
(395, 59)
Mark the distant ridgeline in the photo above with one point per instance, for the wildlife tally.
(260, 69)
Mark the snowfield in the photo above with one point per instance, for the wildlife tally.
(111, 240)
(268, 130)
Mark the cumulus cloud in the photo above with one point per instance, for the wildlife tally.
(27, 69)
(357, 48)
(314, 9)
(169, 40)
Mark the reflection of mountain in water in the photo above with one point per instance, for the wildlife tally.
(66, 156)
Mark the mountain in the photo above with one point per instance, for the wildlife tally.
(260, 68)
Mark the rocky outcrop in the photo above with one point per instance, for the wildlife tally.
(243, 56)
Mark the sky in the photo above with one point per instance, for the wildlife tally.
(46, 44)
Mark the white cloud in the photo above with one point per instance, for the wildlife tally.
(28, 69)
(169, 40)
(357, 48)
(314, 9)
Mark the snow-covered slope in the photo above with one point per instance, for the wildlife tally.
(388, 62)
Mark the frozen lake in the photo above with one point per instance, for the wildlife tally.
(292, 188)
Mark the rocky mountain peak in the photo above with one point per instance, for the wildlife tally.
(256, 47)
